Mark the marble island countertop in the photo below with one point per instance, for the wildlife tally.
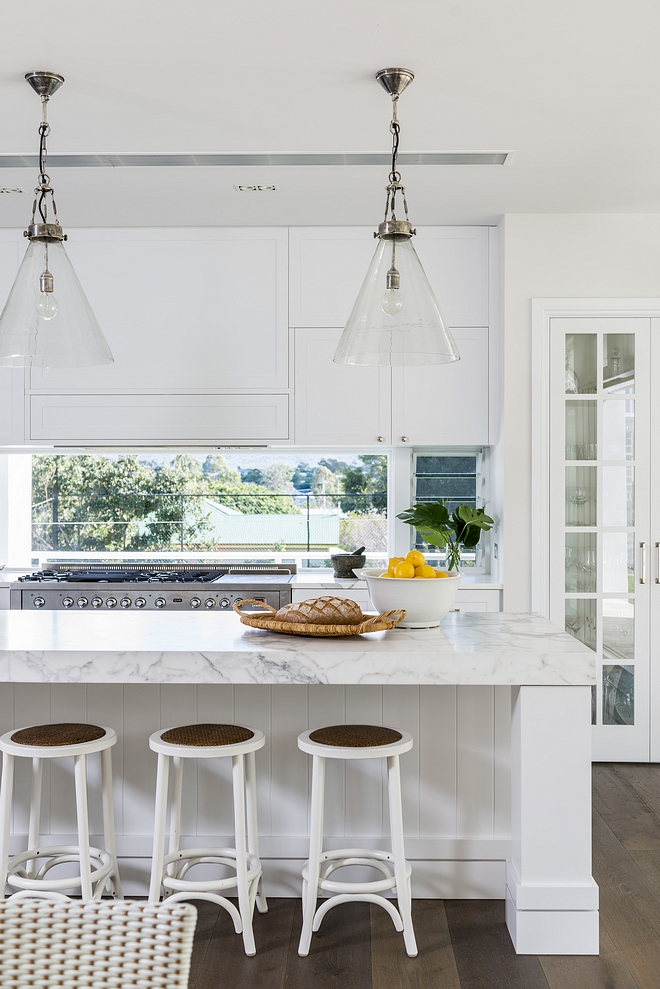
(150, 647)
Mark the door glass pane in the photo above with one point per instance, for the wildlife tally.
(618, 628)
(581, 562)
(618, 430)
(594, 705)
(581, 620)
(580, 367)
(618, 695)
(581, 496)
(619, 363)
(618, 562)
(618, 495)
(581, 430)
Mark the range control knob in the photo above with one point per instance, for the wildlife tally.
(224, 602)
(195, 602)
(209, 603)
(125, 602)
(39, 602)
(160, 602)
(67, 602)
(111, 602)
(140, 602)
(97, 602)
(82, 602)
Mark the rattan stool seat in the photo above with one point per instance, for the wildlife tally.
(355, 736)
(67, 733)
(207, 735)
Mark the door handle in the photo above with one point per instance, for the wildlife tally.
(642, 579)
(657, 563)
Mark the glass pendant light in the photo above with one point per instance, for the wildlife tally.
(396, 319)
(47, 320)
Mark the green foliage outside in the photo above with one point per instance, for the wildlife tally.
(132, 504)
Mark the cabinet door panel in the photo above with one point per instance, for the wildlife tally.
(444, 403)
(158, 418)
(335, 403)
(198, 309)
(328, 266)
(11, 379)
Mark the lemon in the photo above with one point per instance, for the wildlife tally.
(425, 571)
(386, 574)
(442, 573)
(416, 558)
(404, 569)
(392, 562)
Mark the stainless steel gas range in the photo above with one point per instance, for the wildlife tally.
(166, 587)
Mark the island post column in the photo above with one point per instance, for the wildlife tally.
(551, 897)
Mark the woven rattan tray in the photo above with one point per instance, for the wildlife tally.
(265, 620)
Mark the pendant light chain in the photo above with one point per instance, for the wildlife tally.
(395, 185)
(44, 188)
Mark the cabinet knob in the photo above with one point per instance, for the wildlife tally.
(381, 439)
(404, 439)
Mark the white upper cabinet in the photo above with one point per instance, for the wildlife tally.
(328, 265)
(445, 404)
(336, 403)
(183, 310)
(12, 248)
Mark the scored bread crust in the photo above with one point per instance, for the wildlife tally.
(327, 610)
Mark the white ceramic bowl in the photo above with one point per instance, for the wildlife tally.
(426, 601)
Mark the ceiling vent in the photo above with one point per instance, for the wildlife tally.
(255, 188)
(240, 160)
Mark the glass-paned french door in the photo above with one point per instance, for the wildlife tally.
(600, 549)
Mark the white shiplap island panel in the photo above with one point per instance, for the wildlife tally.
(151, 647)
(499, 706)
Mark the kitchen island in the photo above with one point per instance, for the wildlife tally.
(551, 898)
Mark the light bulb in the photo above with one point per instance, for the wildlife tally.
(47, 305)
(392, 302)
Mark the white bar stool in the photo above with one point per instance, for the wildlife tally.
(210, 741)
(28, 870)
(356, 742)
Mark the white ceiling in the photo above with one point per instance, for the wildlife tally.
(570, 86)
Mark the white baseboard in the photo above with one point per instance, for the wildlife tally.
(443, 868)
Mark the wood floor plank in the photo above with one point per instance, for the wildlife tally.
(434, 966)
(624, 811)
(340, 955)
(206, 918)
(629, 905)
(225, 962)
(645, 778)
(604, 971)
(485, 957)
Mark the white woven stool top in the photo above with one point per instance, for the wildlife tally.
(111, 944)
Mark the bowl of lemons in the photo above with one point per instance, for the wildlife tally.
(426, 593)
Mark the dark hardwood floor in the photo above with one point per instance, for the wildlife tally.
(464, 944)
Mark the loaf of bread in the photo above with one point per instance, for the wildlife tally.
(326, 610)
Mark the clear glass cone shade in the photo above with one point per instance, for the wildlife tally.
(70, 338)
(416, 334)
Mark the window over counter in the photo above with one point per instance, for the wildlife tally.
(244, 505)
(457, 477)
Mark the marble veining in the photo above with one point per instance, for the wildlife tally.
(468, 648)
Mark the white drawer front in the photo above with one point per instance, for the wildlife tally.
(158, 418)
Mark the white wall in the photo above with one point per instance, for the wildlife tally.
(555, 256)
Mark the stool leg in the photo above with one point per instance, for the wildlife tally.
(175, 810)
(238, 778)
(396, 828)
(109, 818)
(311, 887)
(159, 827)
(80, 776)
(35, 814)
(252, 827)
(6, 794)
